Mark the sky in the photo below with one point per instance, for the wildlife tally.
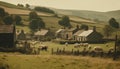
(93, 5)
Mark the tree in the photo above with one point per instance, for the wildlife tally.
(113, 23)
(83, 26)
(27, 5)
(36, 24)
(65, 21)
(20, 5)
(108, 30)
(2, 12)
(33, 15)
(44, 9)
(18, 20)
(8, 20)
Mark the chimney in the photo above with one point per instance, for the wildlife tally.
(77, 27)
(94, 28)
(22, 31)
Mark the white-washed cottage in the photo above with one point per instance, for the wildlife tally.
(88, 35)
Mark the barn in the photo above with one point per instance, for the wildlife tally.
(7, 36)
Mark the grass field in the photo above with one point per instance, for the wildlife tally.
(57, 62)
(47, 61)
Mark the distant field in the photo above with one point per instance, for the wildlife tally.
(22, 11)
(10, 5)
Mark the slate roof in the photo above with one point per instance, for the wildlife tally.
(86, 33)
(42, 32)
(60, 30)
(6, 28)
(78, 32)
(71, 29)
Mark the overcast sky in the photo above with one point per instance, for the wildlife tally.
(95, 5)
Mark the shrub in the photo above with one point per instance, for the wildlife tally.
(43, 9)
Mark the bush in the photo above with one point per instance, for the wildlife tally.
(43, 9)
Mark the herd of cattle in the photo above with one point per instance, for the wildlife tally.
(89, 47)
(31, 46)
(42, 47)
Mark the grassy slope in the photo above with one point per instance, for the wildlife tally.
(10, 5)
(13, 9)
(51, 22)
(102, 16)
(58, 62)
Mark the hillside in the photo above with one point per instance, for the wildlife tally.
(102, 16)
(49, 19)
(10, 5)
(13, 9)
(23, 12)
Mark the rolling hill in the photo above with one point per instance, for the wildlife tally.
(92, 15)
(13, 9)
(50, 20)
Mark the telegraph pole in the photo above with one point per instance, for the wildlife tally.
(115, 49)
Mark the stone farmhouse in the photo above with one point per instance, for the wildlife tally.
(79, 35)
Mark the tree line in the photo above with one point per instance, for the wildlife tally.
(43, 9)
(8, 19)
(21, 5)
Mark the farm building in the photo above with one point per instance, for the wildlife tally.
(20, 35)
(88, 35)
(59, 33)
(7, 36)
(41, 34)
(66, 33)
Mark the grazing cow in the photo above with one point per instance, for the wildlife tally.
(43, 47)
(76, 45)
(85, 44)
(89, 47)
(98, 49)
(111, 49)
(66, 44)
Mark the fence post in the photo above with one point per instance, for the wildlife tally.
(72, 51)
(52, 50)
(57, 50)
(115, 49)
